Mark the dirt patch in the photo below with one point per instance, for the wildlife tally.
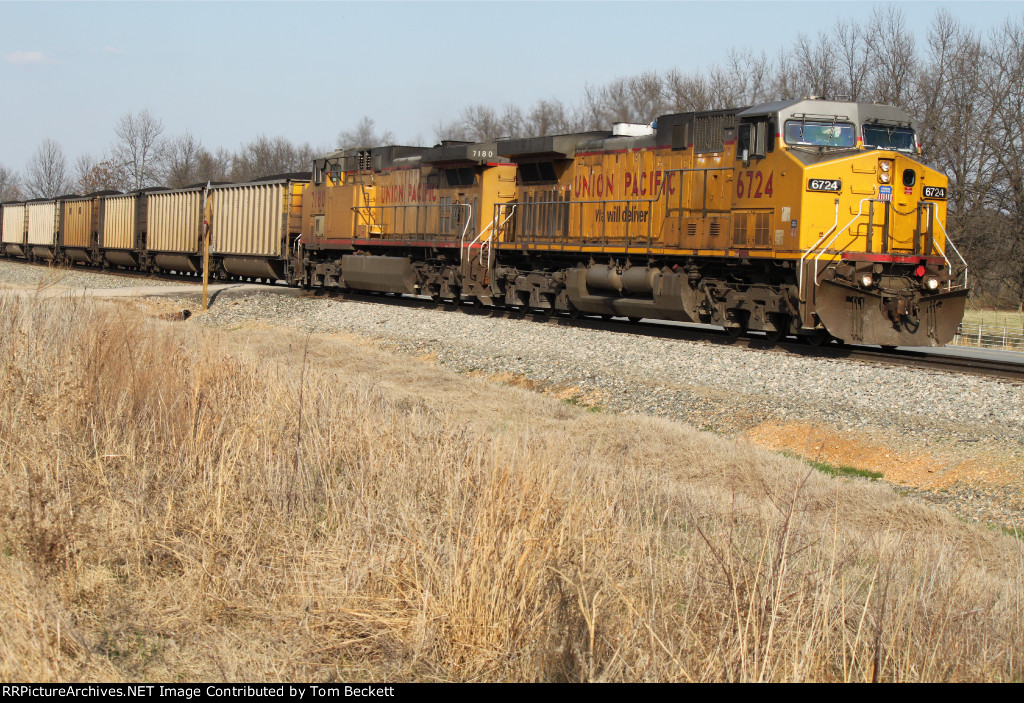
(928, 469)
(567, 394)
(512, 379)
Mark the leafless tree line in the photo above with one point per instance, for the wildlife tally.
(142, 156)
(875, 61)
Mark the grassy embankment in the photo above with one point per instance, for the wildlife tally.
(181, 504)
(1010, 319)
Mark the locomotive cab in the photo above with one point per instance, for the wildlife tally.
(869, 217)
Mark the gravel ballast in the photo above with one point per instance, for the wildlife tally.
(961, 427)
(20, 273)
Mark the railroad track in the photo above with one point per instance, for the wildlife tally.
(1005, 370)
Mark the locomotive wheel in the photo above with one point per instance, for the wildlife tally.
(781, 328)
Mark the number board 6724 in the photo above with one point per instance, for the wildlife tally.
(825, 185)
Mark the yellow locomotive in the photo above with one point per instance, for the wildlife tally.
(807, 217)
(811, 218)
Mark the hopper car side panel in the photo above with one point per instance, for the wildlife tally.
(253, 226)
(14, 224)
(173, 225)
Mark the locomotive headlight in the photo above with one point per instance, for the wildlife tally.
(931, 283)
(867, 280)
(885, 166)
(884, 177)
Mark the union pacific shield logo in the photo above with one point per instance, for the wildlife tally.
(885, 193)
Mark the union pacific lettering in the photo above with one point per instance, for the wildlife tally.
(410, 193)
(632, 185)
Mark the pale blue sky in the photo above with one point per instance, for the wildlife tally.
(229, 71)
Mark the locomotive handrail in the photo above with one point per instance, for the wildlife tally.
(846, 227)
(655, 197)
(949, 241)
(475, 240)
(800, 270)
(490, 247)
(497, 230)
(417, 206)
(465, 228)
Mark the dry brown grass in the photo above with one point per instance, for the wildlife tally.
(183, 504)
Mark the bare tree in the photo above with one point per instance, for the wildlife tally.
(686, 93)
(364, 136)
(481, 123)
(10, 185)
(215, 166)
(94, 174)
(955, 118)
(139, 150)
(84, 165)
(722, 89)
(267, 156)
(784, 79)
(549, 117)
(636, 98)
(747, 74)
(893, 55)
(188, 162)
(455, 131)
(818, 67)
(513, 124)
(853, 48)
(1004, 89)
(47, 172)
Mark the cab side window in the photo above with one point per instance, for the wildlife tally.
(754, 138)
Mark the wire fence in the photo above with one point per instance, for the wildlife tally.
(1009, 338)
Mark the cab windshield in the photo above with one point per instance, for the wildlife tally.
(811, 133)
(878, 136)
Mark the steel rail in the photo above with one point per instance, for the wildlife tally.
(1004, 370)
